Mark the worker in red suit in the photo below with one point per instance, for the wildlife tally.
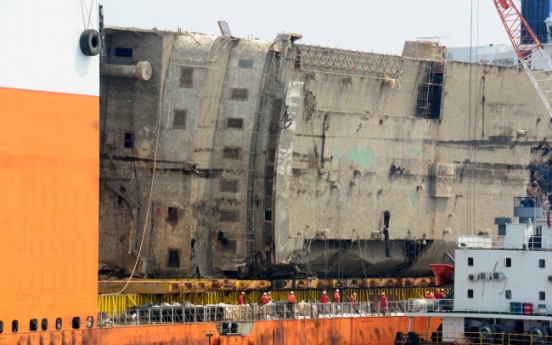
(336, 296)
(429, 295)
(241, 299)
(291, 298)
(440, 294)
(352, 300)
(269, 297)
(264, 299)
(383, 303)
(324, 298)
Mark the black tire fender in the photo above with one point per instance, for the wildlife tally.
(90, 42)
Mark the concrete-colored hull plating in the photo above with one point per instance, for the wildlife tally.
(272, 159)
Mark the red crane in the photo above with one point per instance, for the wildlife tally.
(529, 50)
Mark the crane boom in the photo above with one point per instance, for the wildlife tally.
(529, 50)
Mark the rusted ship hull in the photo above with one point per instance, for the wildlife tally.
(342, 331)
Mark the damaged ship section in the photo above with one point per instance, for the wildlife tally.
(273, 159)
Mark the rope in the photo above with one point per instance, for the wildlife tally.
(147, 212)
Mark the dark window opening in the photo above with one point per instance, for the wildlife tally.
(232, 152)
(59, 323)
(123, 52)
(75, 323)
(271, 155)
(33, 325)
(508, 262)
(428, 104)
(470, 293)
(508, 294)
(230, 186)
(542, 263)
(268, 215)
(187, 77)
(269, 172)
(129, 140)
(44, 324)
(470, 261)
(268, 188)
(245, 63)
(15, 326)
(542, 296)
(174, 258)
(179, 120)
(234, 123)
(173, 214)
(239, 94)
(267, 240)
(1, 327)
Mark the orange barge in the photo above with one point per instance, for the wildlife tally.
(342, 331)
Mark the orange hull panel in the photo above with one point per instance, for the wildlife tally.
(49, 204)
(338, 331)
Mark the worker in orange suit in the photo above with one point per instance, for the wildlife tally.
(264, 299)
(383, 303)
(241, 299)
(324, 298)
(291, 298)
(352, 300)
(336, 296)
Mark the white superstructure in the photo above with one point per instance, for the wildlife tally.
(502, 284)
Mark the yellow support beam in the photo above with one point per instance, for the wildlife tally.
(119, 303)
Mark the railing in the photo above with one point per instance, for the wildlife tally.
(497, 337)
(420, 305)
(506, 242)
(147, 315)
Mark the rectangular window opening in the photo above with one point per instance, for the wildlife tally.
(123, 52)
(239, 94)
(229, 186)
(542, 296)
(234, 123)
(508, 262)
(173, 214)
(470, 293)
(174, 258)
(470, 261)
(129, 140)
(187, 77)
(179, 120)
(229, 215)
(232, 152)
(268, 215)
(508, 294)
(542, 263)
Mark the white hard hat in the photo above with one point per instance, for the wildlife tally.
(264, 294)
(291, 293)
(324, 292)
(336, 290)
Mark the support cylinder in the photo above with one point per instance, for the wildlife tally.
(142, 70)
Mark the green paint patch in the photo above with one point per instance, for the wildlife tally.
(496, 125)
(336, 154)
(399, 230)
(364, 157)
(414, 151)
(497, 187)
(412, 198)
(464, 124)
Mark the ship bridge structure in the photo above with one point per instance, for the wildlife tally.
(239, 158)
